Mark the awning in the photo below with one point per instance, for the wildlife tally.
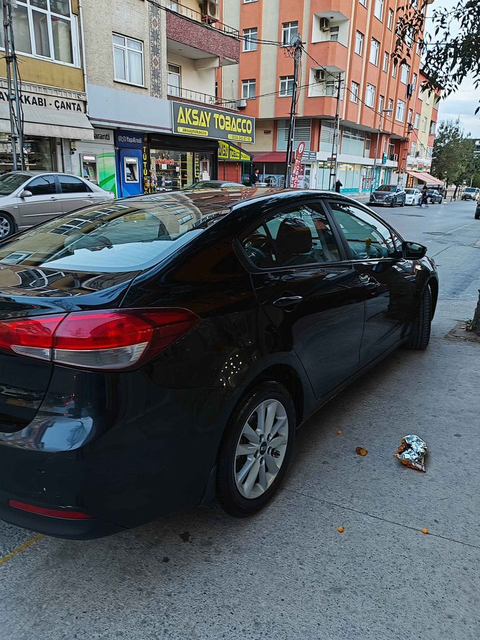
(423, 176)
(50, 123)
(270, 157)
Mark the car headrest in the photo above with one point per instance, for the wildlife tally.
(294, 236)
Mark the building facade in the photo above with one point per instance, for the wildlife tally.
(48, 42)
(346, 42)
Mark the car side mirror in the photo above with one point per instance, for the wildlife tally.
(26, 194)
(413, 251)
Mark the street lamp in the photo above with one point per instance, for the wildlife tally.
(378, 143)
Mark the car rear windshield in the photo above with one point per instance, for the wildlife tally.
(10, 182)
(410, 191)
(129, 235)
(387, 187)
(470, 190)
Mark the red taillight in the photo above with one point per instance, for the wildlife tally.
(109, 340)
(66, 514)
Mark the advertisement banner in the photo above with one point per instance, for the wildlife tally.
(203, 122)
(229, 151)
(298, 165)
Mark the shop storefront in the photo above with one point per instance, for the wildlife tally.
(55, 121)
(233, 162)
(95, 160)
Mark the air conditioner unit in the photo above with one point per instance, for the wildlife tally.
(210, 10)
(241, 104)
(324, 24)
(319, 75)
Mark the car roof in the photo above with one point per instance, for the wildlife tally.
(38, 172)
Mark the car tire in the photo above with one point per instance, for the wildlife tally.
(393, 203)
(7, 225)
(420, 334)
(246, 482)
(477, 216)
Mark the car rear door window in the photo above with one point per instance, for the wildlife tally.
(366, 236)
(299, 236)
(42, 186)
(71, 184)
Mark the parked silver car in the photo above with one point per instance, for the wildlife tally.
(31, 197)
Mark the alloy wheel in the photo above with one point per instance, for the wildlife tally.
(5, 227)
(261, 449)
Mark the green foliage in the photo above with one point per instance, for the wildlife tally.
(451, 53)
(453, 154)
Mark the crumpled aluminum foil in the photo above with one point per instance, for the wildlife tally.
(412, 452)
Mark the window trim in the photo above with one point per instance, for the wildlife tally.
(248, 82)
(248, 40)
(289, 28)
(287, 79)
(320, 202)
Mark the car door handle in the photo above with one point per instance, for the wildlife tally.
(288, 302)
(53, 198)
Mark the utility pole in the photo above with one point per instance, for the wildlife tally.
(297, 55)
(13, 89)
(336, 137)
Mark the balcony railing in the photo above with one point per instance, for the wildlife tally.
(198, 96)
(208, 21)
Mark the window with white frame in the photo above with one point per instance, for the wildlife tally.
(429, 96)
(289, 33)
(128, 59)
(414, 82)
(359, 43)
(370, 95)
(363, 2)
(390, 104)
(174, 80)
(330, 88)
(374, 51)
(400, 114)
(45, 29)
(417, 121)
(386, 58)
(250, 37)
(394, 69)
(413, 149)
(378, 12)
(249, 88)
(303, 132)
(334, 33)
(424, 124)
(410, 116)
(286, 86)
(404, 73)
(433, 128)
(248, 1)
(381, 103)
(354, 91)
(390, 19)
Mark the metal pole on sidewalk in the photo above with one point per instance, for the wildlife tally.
(336, 137)
(13, 89)
(297, 45)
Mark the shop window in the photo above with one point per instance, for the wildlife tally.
(303, 131)
(128, 59)
(45, 28)
(131, 172)
(70, 184)
(42, 186)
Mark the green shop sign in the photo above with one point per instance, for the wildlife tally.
(202, 122)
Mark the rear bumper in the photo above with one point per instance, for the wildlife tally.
(138, 452)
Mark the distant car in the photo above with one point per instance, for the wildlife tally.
(389, 194)
(470, 193)
(477, 211)
(216, 184)
(28, 198)
(413, 196)
(434, 196)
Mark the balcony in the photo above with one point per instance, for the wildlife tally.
(189, 95)
(198, 37)
(333, 55)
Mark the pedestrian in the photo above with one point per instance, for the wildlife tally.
(424, 198)
(338, 186)
(255, 177)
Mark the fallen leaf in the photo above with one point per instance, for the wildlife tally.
(424, 530)
(339, 433)
(340, 529)
(361, 451)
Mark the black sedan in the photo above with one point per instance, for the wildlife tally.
(434, 196)
(159, 353)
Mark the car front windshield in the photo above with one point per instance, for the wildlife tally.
(10, 182)
(386, 187)
(410, 191)
(130, 235)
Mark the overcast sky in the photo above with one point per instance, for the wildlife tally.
(463, 103)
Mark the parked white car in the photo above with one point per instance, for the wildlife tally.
(31, 197)
(413, 196)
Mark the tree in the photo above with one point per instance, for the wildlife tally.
(451, 46)
(452, 153)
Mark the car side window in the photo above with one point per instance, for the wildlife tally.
(70, 184)
(366, 236)
(299, 236)
(42, 186)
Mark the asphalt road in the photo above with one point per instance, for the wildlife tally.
(288, 574)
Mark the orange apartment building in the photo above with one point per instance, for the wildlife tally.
(351, 40)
